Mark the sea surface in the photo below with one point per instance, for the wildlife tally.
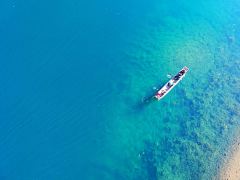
(77, 80)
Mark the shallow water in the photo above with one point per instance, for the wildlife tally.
(77, 80)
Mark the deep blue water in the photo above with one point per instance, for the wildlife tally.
(76, 78)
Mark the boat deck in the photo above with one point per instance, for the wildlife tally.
(173, 82)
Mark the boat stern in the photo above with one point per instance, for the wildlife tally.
(157, 97)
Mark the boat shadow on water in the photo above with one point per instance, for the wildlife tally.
(148, 99)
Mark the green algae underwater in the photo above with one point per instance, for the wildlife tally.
(185, 135)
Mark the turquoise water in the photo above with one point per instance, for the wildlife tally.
(77, 80)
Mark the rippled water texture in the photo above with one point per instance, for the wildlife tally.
(77, 80)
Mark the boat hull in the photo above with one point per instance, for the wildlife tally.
(171, 84)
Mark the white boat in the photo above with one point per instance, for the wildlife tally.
(170, 85)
